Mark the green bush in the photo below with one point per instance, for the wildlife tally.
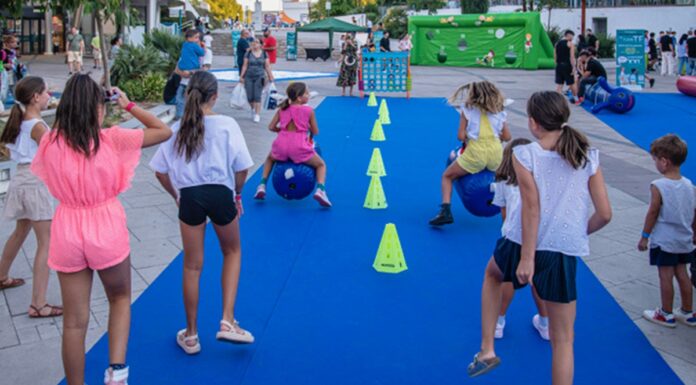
(554, 34)
(474, 6)
(167, 43)
(396, 22)
(607, 46)
(133, 62)
(147, 88)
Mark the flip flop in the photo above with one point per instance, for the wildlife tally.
(479, 367)
(11, 282)
(55, 311)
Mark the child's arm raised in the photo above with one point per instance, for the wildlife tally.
(273, 126)
(461, 133)
(156, 131)
(650, 217)
(530, 221)
(600, 200)
(313, 127)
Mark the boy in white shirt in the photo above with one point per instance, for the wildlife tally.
(669, 225)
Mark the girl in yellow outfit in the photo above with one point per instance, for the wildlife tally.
(482, 126)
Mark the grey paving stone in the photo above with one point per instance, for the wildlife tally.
(147, 216)
(28, 335)
(153, 253)
(149, 274)
(620, 268)
(155, 232)
(683, 368)
(8, 335)
(603, 246)
(679, 341)
(48, 331)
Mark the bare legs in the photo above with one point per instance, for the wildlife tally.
(42, 229)
(230, 244)
(562, 334)
(491, 298)
(453, 171)
(76, 289)
(320, 166)
(667, 275)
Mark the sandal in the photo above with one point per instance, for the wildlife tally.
(479, 367)
(234, 333)
(183, 341)
(55, 311)
(11, 282)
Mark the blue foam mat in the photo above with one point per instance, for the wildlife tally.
(322, 315)
(655, 115)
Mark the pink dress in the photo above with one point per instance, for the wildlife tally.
(294, 145)
(89, 227)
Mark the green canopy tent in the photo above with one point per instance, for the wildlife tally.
(330, 25)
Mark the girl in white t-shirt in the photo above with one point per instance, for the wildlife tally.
(507, 197)
(563, 200)
(204, 166)
(28, 201)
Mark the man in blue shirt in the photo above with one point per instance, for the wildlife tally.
(242, 48)
(189, 62)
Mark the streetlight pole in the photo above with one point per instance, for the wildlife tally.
(583, 7)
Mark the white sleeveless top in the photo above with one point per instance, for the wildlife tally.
(672, 232)
(473, 118)
(564, 199)
(24, 148)
(508, 196)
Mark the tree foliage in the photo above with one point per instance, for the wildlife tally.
(474, 6)
(318, 10)
(396, 22)
(222, 9)
(428, 5)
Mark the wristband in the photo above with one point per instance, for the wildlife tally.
(130, 106)
(645, 235)
(238, 197)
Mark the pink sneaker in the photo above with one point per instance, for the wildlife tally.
(116, 377)
(322, 198)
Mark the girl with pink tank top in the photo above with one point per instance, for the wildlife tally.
(296, 125)
(85, 168)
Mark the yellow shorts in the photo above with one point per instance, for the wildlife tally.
(476, 158)
(74, 56)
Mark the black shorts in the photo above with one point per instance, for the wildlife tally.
(564, 74)
(212, 201)
(659, 257)
(554, 272)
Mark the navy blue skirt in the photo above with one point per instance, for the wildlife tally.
(554, 272)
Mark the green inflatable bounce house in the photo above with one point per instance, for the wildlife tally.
(499, 40)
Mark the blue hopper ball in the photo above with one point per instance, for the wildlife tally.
(292, 180)
(475, 191)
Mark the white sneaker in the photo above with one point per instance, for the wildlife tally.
(257, 118)
(499, 328)
(260, 192)
(116, 377)
(321, 197)
(688, 319)
(659, 317)
(233, 333)
(543, 330)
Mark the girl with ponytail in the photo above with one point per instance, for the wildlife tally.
(203, 166)
(296, 126)
(28, 200)
(563, 200)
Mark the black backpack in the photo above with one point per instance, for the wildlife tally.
(169, 94)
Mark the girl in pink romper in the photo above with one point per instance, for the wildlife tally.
(85, 168)
(298, 125)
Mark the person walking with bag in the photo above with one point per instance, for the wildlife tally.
(254, 70)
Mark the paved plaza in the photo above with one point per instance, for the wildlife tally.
(30, 349)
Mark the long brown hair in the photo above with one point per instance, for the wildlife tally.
(294, 91)
(77, 115)
(189, 140)
(483, 95)
(550, 110)
(24, 94)
(506, 172)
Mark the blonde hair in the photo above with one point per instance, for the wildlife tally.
(483, 95)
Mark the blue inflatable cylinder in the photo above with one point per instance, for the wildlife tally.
(475, 191)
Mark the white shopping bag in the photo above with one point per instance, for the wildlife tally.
(238, 99)
(266, 95)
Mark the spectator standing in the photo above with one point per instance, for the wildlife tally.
(76, 49)
(270, 45)
(208, 57)
(384, 43)
(652, 52)
(564, 56)
(592, 40)
(682, 66)
(242, 48)
(691, 54)
(668, 55)
(96, 51)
